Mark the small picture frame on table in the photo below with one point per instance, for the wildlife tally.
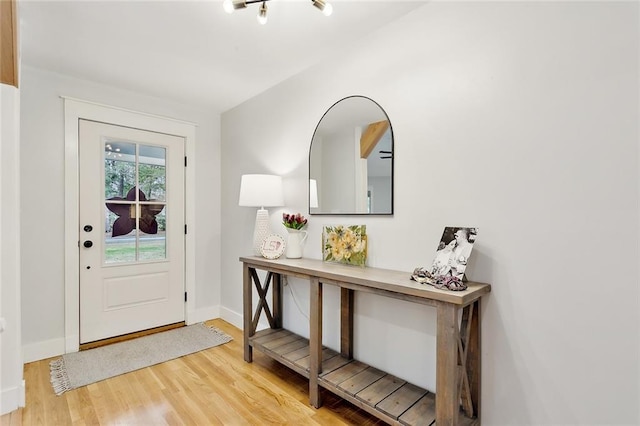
(272, 247)
(454, 249)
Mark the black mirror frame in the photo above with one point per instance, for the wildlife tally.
(392, 161)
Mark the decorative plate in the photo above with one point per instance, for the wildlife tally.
(272, 246)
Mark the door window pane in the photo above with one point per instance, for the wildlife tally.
(151, 172)
(154, 246)
(150, 216)
(120, 244)
(119, 168)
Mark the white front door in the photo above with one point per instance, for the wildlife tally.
(132, 226)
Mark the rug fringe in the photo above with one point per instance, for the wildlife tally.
(59, 378)
(224, 337)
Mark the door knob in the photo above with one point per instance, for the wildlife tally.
(88, 243)
(88, 228)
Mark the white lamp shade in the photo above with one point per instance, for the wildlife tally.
(313, 194)
(261, 191)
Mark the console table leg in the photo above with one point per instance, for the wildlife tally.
(247, 307)
(346, 322)
(447, 396)
(473, 365)
(315, 342)
(277, 300)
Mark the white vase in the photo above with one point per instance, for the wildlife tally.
(294, 243)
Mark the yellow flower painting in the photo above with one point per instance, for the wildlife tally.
(345, 244)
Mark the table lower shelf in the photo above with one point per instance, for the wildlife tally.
(383, 395)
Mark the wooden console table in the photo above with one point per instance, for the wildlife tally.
(383, 395)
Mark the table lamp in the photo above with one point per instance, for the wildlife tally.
(261, 191)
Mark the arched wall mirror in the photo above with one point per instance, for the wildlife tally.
(351, 160)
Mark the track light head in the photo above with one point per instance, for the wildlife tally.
(231, 5)
(262, 14)
(324, 7)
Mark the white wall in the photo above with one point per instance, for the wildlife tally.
(42, 189)
(520, 118)
(12, 392)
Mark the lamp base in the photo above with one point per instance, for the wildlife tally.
(261, 231)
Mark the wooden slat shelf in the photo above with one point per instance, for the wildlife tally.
(383, 395)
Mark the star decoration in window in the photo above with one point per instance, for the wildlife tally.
(126, 221)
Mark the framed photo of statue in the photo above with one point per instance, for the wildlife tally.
(454, 249)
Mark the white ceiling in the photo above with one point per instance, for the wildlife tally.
(192, 51)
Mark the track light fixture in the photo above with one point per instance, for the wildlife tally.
(231, 5)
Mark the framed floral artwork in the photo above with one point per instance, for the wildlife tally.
(345, 244)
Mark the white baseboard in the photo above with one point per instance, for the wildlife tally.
(231, 317)
(203, 314)
(12, 398)
(235, 318)
(42, 350)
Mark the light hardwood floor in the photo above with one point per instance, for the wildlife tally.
(211, 387)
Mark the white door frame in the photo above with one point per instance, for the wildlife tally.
(75, 109)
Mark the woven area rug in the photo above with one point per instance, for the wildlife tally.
(82, 368)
